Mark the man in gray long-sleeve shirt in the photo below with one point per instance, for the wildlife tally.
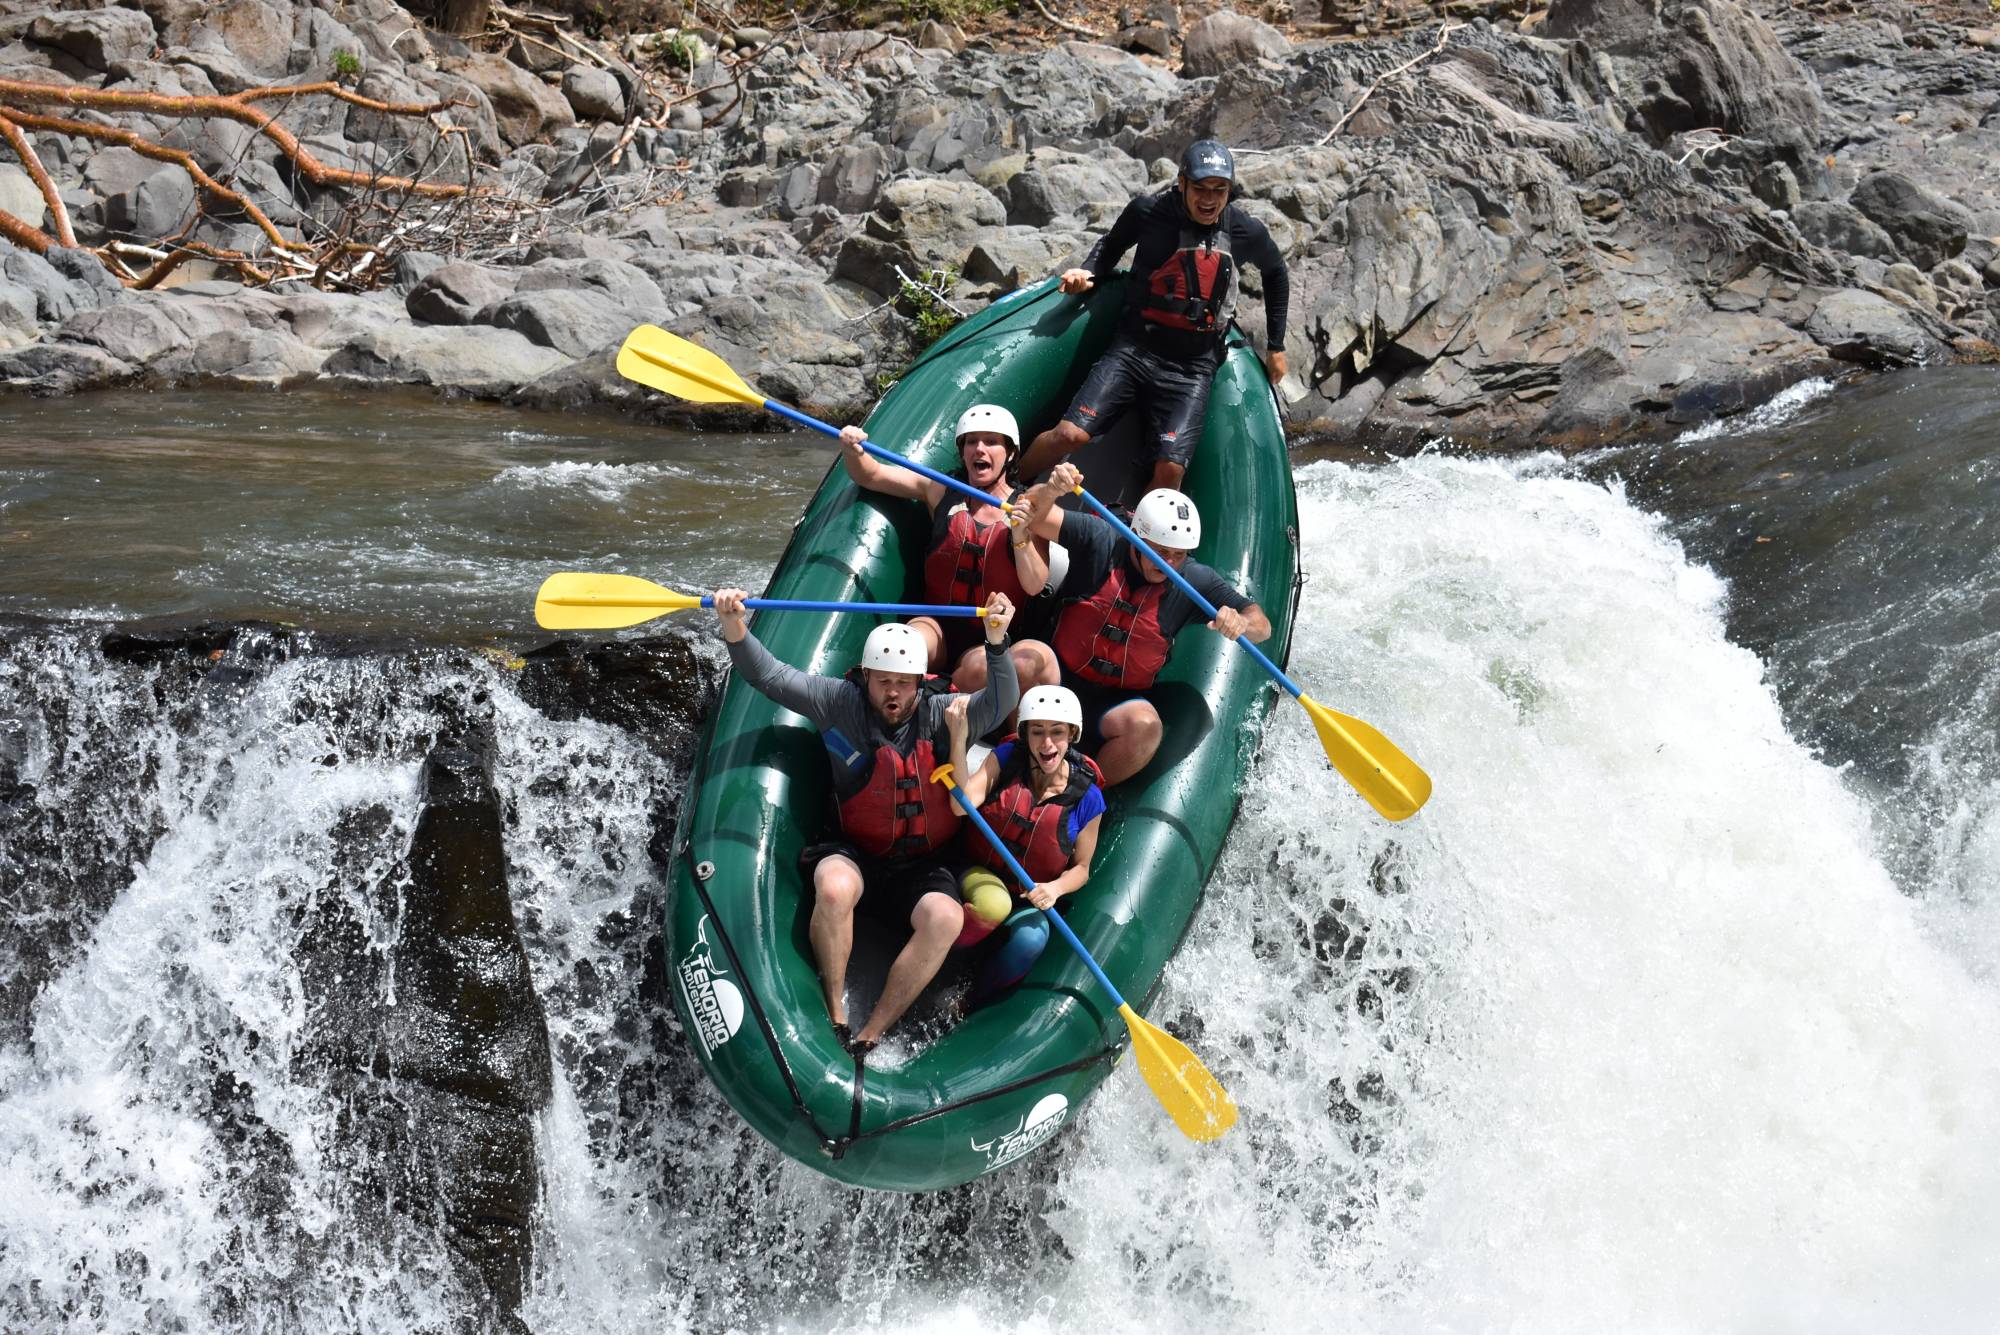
(885, 733)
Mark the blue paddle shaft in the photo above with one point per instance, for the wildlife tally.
(886, 456)
(1242, 641)
(1021, 875)
(892, 609)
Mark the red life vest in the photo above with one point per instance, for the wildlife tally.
(969, 561)
(896, 811)
(1189, 299)
(1037, 835)
(1113, 637)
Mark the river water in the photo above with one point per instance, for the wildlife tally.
(1678, 1009)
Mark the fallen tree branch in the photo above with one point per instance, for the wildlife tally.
(1076, 28)
(25, 151)
(1444, 35)
(22, 235)
(237, 107)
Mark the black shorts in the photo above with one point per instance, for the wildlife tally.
(1174, 395)
(1098, 701)
(889, 889)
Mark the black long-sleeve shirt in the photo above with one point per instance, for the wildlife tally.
(1155, 223)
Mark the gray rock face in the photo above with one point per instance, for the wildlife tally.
(157, 207)
(20, 197)
(1681, 65)
(472, 360)
(593, 93)
(1842, 227)
(256, 35)
(1226, 39)
(573, 323)
(524, 107)
(1065, 188)
(454, 293)
(1926, 227)
(1862, 327)
(96, 38)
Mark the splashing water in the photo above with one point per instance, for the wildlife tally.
(1629, 1029)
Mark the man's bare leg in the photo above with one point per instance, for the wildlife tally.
(934, 924)
(933, 641)
(1132, 734)
(836, 890)
(1034, 665)
(1168, 475)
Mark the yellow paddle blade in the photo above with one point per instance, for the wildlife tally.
(1390, 780)
(652, 356)
(1196, 1101)
(571, 601)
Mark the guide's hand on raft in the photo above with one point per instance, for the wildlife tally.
(729, 607)
(1228, 623)
(1041, 896)
(1274, 364)
(999, 615)
(1074, 281)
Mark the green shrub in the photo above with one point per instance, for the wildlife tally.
(924, 306)
(346, 64)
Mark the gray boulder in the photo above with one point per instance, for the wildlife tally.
(524, 107)
(473, 360)
(62, 368)
(1058, 187)
(594, 93)
(1678, 65)
(20, 196)
(1926, 227)
(1842, 227)
(573, 323)
(256, 356)
(256, 35)
(1863, 327)
(1226, 39)
(159, 206)
(852, 176)
(96, 38)
(455, 293)
(1020, 255)
(619, 285)
(19, 321)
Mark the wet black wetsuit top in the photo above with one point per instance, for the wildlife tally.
(1153, 223)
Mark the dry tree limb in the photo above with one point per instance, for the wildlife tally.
(22, 235)
(1444, 35)
(1077, 28)
(25, 151)
(159, 152)
(237, 107)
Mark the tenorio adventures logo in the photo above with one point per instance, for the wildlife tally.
(714, 1004)
(1034, 1131)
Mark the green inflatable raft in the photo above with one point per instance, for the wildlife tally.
(1006, 1080)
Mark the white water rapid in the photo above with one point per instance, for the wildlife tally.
(1629, 1030)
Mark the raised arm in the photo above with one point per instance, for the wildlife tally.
(814, 696)
(1045, 517)
(975, 784)
(1002, 691)
(871, 474)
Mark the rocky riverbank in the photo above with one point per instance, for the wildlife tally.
(1606, 218)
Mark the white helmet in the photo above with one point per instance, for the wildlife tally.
(895, 647)
(1168, 518)
(988, 417)
(1052, 704)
